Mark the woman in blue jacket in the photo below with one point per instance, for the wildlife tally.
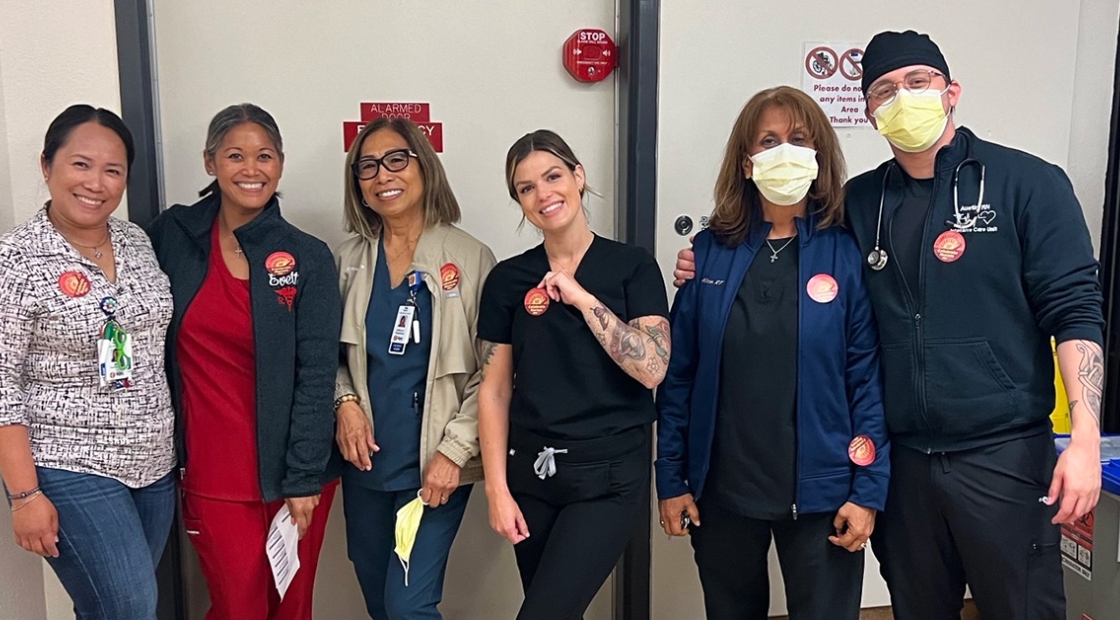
(770, 420)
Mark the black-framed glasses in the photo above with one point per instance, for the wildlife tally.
(396, 160)
(917, 82)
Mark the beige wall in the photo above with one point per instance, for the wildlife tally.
(52, 54)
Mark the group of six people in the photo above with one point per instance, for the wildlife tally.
(880, 349)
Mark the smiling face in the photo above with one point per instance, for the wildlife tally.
(392, 194)
(87, 176)
(549, 192)
(247, 165)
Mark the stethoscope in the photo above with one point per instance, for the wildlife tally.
(877, 258)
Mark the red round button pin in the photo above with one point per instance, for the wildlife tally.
(449, 276)
(73, 284)
(280, 263)
(949, 246)
(862, 451)
(536, 301)
(822, 288)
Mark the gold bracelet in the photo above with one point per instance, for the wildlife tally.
(28, 500)
(346, 398)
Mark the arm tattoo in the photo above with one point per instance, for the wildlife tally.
(1090, 373)
(626, 342)
(659, 337)
(485, 354)
(601, 313)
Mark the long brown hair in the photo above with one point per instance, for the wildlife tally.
(439, 203)
(736, 197)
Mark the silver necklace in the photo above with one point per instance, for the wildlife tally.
(773, 252)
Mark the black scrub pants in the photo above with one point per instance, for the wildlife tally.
(822, 581)
(972, 517)
(579, 519)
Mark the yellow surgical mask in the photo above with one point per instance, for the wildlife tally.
(784, 173)
(912, 122)
(408, 524)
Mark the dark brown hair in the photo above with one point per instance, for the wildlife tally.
(736, 197)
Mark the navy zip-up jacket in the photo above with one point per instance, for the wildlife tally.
(966, 349)
(838, 384)
(296, 345)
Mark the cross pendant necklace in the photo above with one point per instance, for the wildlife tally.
(773, 252)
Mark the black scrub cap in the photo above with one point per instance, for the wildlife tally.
(888, 51)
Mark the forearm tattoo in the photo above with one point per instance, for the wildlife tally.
(1090, 373)
(626, 342)
(602, 314)
(659, 336)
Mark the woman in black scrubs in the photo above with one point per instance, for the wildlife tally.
(770, 421)
(581, 322)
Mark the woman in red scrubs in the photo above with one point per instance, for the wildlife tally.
(252, 357)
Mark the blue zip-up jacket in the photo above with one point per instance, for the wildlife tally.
(839, 390)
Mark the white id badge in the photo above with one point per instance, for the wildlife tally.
(402, 329)
(114, 361)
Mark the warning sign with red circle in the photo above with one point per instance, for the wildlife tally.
(820, 62)
(832, 75)
(851, 64)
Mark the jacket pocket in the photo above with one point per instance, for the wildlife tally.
(455, 350)
(899, 393)
(967, 389)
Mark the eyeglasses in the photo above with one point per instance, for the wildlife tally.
(916, 82)
(367, 168)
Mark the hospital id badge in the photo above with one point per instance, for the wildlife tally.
(114, 359)
(402, 329)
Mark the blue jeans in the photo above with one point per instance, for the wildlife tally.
(371, 518)
(110, 540)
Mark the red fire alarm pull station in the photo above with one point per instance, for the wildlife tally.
(589, 55)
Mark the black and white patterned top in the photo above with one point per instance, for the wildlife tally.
(50, 321)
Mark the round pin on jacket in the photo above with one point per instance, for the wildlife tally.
(949, 246)
(536, 301)
(280, 263)
(109, 305)
(822, 288)
(449, 276)
(74, 284)
(862, 450)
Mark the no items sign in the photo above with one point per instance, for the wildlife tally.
(831, 74)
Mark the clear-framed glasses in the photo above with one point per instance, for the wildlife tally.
(396, 160)
(917, 82)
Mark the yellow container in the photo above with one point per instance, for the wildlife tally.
(1060, 416)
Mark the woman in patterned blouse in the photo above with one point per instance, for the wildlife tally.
(86, 425)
